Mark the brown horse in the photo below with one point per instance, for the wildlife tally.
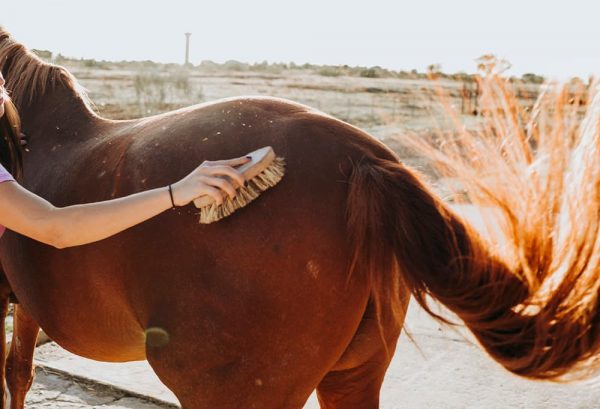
(305, 288)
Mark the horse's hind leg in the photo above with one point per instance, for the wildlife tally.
(355, 388)
(355, 381)
(19, 367)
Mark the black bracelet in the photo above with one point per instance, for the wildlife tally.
(171, 195)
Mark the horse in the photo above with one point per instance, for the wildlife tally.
(306, 288)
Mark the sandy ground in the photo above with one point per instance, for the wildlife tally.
(446, 370)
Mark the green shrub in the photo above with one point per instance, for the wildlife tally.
(370, 73)
(330, 71)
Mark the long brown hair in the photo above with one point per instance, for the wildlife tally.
(11, 155)
(528, 287)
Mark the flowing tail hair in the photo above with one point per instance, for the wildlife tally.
(527, 288)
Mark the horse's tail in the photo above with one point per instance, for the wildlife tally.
(533, 307)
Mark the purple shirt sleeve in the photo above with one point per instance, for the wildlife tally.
(5, 176)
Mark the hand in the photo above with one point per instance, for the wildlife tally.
(217, 179)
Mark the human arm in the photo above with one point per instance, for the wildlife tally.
(26, 213)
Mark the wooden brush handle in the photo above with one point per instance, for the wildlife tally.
(261, 159)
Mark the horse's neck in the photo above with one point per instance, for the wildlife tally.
(58, 116)
(58, 126)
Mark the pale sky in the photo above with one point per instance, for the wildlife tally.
(554, 38)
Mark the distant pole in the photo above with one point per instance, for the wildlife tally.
(187, 48)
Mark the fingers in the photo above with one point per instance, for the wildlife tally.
(228, 171)
(220, 177)
(215, 193)
(220, 183)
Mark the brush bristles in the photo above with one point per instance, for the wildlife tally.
(258, 184)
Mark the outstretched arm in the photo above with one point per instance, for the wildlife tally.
(26, 213)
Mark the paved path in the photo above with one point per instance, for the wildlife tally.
(448, 372)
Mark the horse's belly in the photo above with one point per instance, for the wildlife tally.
(76, 296)
(98, 334)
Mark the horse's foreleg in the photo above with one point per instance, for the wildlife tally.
(19, 367)
(4, 301)
(5, 292)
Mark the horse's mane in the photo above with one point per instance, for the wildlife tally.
(27, 76)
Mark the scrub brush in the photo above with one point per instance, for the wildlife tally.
(263, 171)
